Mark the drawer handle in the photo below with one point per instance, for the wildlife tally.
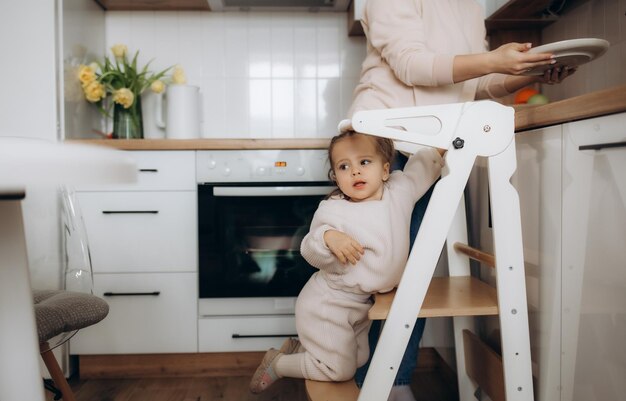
(14, 195)
(148, 170)
(599, 146)
(131, 294)
(263, 335)
(130, 212)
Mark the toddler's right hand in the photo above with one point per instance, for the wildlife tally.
(343, 246)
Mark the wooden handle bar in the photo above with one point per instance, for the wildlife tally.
(475, 254)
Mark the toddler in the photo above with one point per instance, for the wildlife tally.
(359, 241)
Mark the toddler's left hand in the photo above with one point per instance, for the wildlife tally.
(344, 247)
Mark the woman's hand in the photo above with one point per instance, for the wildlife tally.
(555, 75)
(343, 246)
(514, 59)
(551, 76)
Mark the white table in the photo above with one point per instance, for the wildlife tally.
(28, 163)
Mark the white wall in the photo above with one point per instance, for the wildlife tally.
(28, 108)
(28, 101)
(262, 75)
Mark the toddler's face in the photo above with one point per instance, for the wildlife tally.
(359, 169)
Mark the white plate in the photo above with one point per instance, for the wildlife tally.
(570, 53)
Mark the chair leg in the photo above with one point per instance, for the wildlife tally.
(49, 385)
(56, 373)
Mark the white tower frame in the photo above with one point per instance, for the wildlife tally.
(466, 130)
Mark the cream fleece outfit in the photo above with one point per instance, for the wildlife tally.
(410, 52)
(331, 310)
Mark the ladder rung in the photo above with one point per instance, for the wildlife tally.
(331, 391)
(446, 296)
(475, 254)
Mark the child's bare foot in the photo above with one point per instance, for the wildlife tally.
(265, 374)
(290, 346)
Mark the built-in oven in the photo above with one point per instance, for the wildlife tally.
(254, 208)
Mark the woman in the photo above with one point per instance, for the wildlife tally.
(428, 52)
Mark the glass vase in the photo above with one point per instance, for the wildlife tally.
(128, 123)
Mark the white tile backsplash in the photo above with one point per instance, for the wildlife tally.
(604, 19)
(283, 108)
(261, 74)
(305, 108)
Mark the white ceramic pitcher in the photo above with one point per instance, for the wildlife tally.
(182, 117)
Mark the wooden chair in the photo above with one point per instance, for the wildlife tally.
(60, 314)
(467, 130)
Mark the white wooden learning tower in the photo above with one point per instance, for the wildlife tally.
(466, 130)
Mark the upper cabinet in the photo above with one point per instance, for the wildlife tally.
(151, 5)
(227, 5)
(522, 16)
(518, 21)
(355, 15)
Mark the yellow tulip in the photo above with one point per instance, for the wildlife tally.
(124, 96)
(157, 86)
(178, 77)
(86, 75)
(94, 91)
(119, 50)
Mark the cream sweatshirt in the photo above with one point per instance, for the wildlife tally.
(381, 227)
(410, 52)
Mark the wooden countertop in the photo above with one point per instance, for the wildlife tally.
(594, 104)
(209, 144)
(608, 101)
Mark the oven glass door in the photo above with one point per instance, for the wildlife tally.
(249, 238)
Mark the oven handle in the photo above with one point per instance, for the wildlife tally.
(272, 191)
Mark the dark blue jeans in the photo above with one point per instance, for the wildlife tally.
(409, 360)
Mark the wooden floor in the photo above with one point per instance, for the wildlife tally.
(428, 385)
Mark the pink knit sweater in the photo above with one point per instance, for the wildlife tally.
(381, 227)
(410, 51)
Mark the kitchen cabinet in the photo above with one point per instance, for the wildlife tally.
(149, 313)
(143, 241)
(573, 209)
(538, 181)
(594, 260)
(243, 333)
(511, 21)
(154, 5)
(520, 14)
(355, 15)
(141, 231)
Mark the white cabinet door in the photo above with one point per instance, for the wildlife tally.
(594, 259)
(538, 182)
(148, 313)
(158, 171)
(141, 231)
(244, 333)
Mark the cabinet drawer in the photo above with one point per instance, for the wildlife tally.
(257, 333)
(605, 133)
(136, 324)
(166, 170)
(141, 231)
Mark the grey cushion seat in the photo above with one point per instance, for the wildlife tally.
(59, 311)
